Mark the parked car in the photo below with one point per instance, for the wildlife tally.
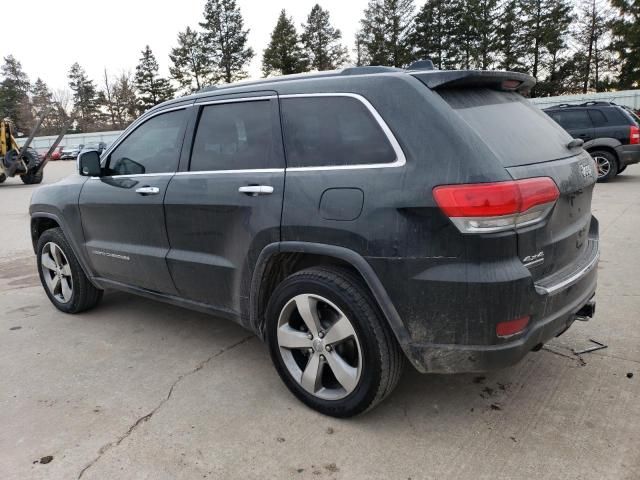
(71, 153)
(96, 146)
(353, 220)
(57, 153)
(611, 133)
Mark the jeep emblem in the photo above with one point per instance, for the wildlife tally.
(586, 170)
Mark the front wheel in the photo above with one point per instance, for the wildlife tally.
(32, 177)
(61, 276)
(330, 344)
(606, 163)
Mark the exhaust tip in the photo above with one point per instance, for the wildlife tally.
(587, 311)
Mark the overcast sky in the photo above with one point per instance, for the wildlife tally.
(47, 36)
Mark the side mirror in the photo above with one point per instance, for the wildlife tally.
(89, 164)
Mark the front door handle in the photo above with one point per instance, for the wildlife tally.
(148, 190)
(255, 190)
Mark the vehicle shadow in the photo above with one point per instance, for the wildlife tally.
(421, 396)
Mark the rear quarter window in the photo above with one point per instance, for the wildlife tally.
(515, 130)
(572, 119)
(332, 131)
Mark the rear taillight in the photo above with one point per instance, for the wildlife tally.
(634, 135)
(499, 206)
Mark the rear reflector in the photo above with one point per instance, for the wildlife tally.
(634, 135)
(499, 206)
(506, 329)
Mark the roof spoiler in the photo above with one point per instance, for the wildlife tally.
(497, 80)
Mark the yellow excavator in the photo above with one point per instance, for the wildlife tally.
(24, 161)
(15, 160)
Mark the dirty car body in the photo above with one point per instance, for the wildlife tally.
(473, 235)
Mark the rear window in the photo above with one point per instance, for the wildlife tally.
(332, 131)
(235, 136)
(515, 130)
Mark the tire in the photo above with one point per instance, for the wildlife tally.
(33, 175)
(62, 278)
(606, 164)
(3, 177)
(362, 349)
(622, 169)
(32, 178)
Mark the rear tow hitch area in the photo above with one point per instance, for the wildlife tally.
(587, 311)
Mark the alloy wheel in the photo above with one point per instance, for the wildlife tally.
(319, 346)
(604, 166)
(56, 272)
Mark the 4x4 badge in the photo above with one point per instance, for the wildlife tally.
(533, 260)
(586, 170)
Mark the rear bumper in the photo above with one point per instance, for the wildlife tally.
(451, 313)
(628, 154)
(480, 358)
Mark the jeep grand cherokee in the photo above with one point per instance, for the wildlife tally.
(353, 220)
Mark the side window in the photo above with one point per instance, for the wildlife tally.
(573, 119)
(237, 136)
(153, 147)
(598, 118)
(330, 131)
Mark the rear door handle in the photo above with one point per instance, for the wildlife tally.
(148, 190)
(255, 190)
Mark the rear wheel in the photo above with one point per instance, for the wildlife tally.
(61, 276)
(606, 163)
(330, 344)
(3, 177)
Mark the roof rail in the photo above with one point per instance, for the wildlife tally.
(595, 102)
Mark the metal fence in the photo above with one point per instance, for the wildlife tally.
(42, 144)
(628, 98)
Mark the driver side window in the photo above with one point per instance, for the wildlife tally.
(153, 147)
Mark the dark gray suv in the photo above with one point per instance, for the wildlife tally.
(353, 220)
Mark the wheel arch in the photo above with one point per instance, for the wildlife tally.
(607, 144)
(43, 221)
(279, 260)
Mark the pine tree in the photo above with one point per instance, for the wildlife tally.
(626, 41)
(482, 16)
(14, 94)
(544, 28)
(41, 102)
(191, 68)
(555, 48)
(85, 98)
(386, 28)
(358, 50)
(429, 35)
(284, 54)
(152, 88)
(322, 41)
(510, 46)
(226, 40)
(124, 100)
(592, 58)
